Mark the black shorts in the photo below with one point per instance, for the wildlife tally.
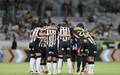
(92, 50)
(73, 55)
(52, 51)
(43, 52)
(64, 47)
(36, 47)
(31, 45)
(32, 53)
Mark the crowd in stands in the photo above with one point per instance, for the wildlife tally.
(20, 16)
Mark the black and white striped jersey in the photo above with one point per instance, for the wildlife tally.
(52, 36)
(64, 33)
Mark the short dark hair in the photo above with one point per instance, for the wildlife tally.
(81, 25)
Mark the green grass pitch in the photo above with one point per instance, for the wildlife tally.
(101, 68)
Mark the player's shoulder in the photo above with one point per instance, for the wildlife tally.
(36, 29)
(78, 29)
(52, 27)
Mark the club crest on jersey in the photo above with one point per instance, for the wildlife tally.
(64, 33)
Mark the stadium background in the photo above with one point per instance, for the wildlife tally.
(18, 17)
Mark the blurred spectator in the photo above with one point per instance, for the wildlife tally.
(49, 20)
(39, 9)
(13, 11)
(48, 9)
(7, 37)
(110, 5)
(17, 4)
(70, 8)
(91, 22)
(33, 24)
(80, 8)
(14, 43)
(118, 29)
(28, 17)
(91, 18)
(25, 32)
(66, 8)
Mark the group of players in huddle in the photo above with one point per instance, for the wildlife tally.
(51, 43)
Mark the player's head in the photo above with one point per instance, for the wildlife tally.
(65, 21)
(42, 32)
(52, 24)
(81, 25)
(59, 25)
(64, 25)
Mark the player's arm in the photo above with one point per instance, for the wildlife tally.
(79, 48)
(50, 34)
(32, 37)
(62, 35)
(90, 38)
(76, 36)
(41, 38)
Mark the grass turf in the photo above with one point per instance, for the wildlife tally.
(101, 68)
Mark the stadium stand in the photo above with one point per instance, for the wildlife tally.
(19, 16)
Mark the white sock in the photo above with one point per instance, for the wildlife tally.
(44, 68)
(90, 69)
(38, 67)
(54, 68)
(59, 65)
(73, 66)
(32, 65)
(69, 62)
(49, 67)
(86, 67)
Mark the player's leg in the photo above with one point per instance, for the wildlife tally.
(49, 65)
(44, 66)
(44, 61)
(90, 65)
(73, 58)
(84, 61)
(60, 57)
(60, 63)
(69, 62)
(54, 57)
(38, 60)
(49, 62)
(78, 63)
(54, 65)
(32, 61)
(90, 59)
(79, 60)
(90, 62)
(32, 58)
